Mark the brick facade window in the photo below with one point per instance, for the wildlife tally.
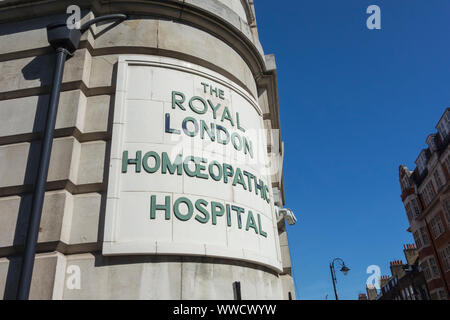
(447, 163)
(426, 270)
(438, 179)
(445, 254)
(428, 193)
(405, 183)
(446, 206)
(409, 211)
(417, 239)
(424, 235)
(437, 228)
(415, 207)
(433, 267)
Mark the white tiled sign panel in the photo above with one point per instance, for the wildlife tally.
(143, 100)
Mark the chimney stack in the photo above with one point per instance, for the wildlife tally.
(397, 269)
(371, 292)
(411, 253)
(384, 280)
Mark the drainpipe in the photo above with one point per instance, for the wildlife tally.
(65, 41)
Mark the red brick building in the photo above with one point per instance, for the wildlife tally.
(426, 197)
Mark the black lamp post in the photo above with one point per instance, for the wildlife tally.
(344, 269)
(65, 41)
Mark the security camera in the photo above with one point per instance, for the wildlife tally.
(288, 215)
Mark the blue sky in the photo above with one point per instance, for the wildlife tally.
(355, 104)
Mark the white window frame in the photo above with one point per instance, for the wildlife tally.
(424, 236)
(405, 183)
(415, 207)
(428, 192)
(447, 162)
(438, 179)
(434, 268)
(446, 207)
(421, 162)
(445, 254)
(443, 130)
(409, 212)
(437, 228)
(426, 270)
(417, 239)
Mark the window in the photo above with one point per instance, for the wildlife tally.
(437, 178)
(442, 128)
(424, 235)
(428, 193)
(445, 254)
(415, 207)
(447, 163)
(421, 162)
(425, 198)
(446, 206)
(409, 211)
(417, 239)
(433, 267)
(437, 227)
(405, 183)
(426, 270)
(444, 125)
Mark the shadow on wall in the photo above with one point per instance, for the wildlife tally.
(32, 71)
(41, 68)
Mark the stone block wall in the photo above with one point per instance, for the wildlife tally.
(219, 35)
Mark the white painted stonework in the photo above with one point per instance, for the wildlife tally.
(143, 98)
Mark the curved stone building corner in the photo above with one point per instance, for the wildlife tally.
(214, 39)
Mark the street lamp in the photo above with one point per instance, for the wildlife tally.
(65, 41)
(344, 269)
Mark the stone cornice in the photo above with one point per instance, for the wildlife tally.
(223, 23)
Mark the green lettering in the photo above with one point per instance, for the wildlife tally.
(176, 102)
(251, 222)
(171, 167)
(136, 161)
(217, 210)
(200, 205)
(165, 207)
(177, 212)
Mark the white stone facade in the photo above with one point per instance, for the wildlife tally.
(211, 39)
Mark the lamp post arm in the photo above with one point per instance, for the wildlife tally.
(118, 17)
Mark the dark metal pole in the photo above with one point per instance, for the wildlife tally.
(237, 290)
(333, 278)
(39, 190)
